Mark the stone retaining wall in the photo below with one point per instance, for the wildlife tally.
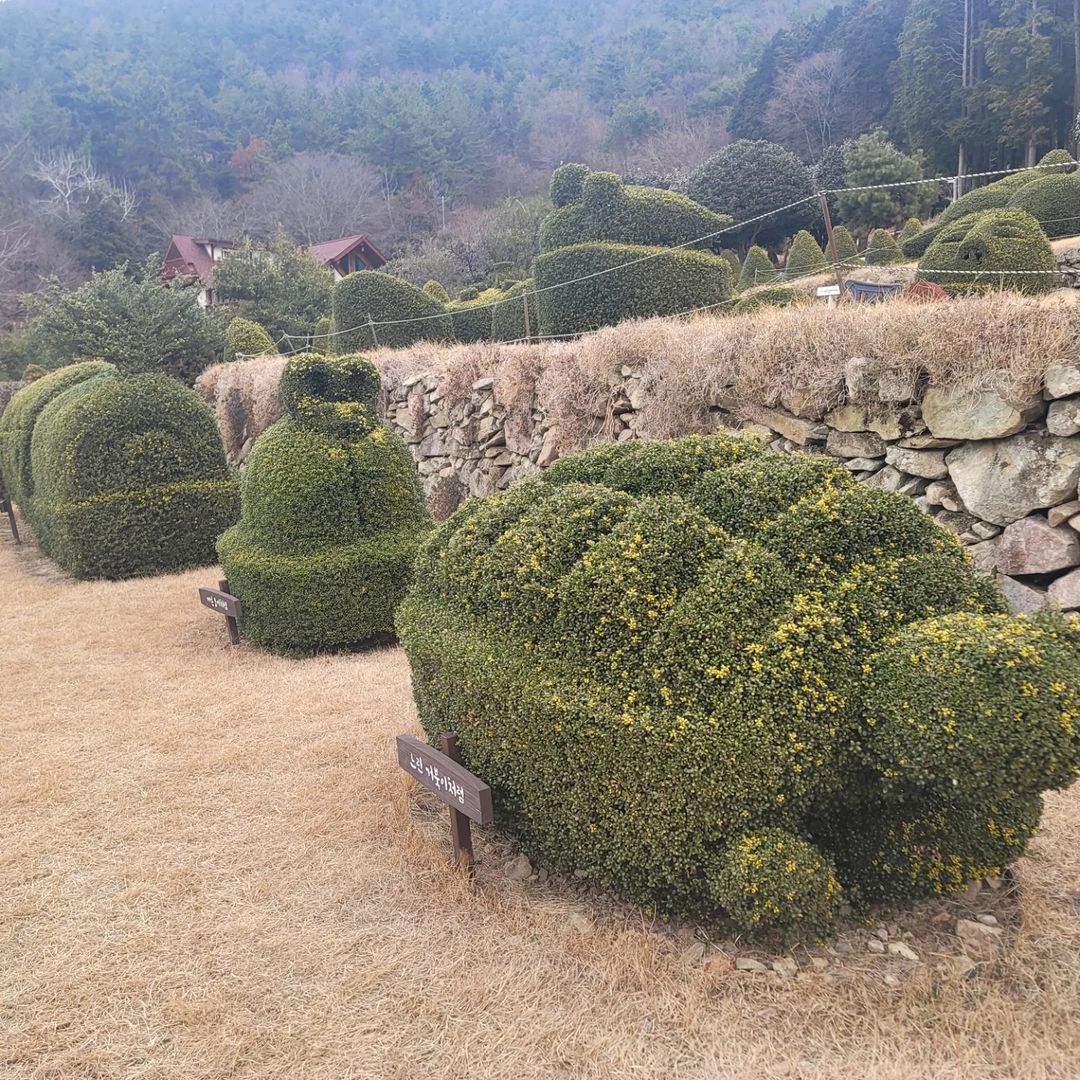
(1001, 473)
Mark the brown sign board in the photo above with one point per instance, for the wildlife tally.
(221, 602)
(452, 783)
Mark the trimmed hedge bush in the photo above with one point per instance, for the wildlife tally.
(846, 248)
(472, 318)
(129, 478)
(386, 299)
(1053, 201)
(667, 282)
(332, 515)
(805, 256)
(245, 338)
(912, 228)
(994, 249)
(20, 416)
(916, 246)
(732, 257)
(323, 341)
(726, 681)
(775, 296)
(435, 290)
(597, 206)
(757, 269)
(508, 319)
(882, 249)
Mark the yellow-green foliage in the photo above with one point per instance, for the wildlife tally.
(409, 314)
(757, 269)
(1054, 202)
(596, 206)
(732, 257)
(435, 290)
(719, 679)
(994, 249)
(244, 339)
(805, 256)
(332, 515)
(129, 478)
(624, 282)
(20, 416)
(324, 340)
(508, 318)
(882, 249)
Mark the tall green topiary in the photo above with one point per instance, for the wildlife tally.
(994, 249)
(20, 416)
(757, 269)
(402, 313)
(595, 206)
(129, 478)
(244, 339)
(732, 258)
(805, 256)
(846, 248)
(912, 228)
(332, 516)
(613, 282)
(323, 340)
(726, 681)
(882, 249)
(508, 322)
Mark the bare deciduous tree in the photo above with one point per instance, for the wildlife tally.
(74, 182)
(809, 109)
(316, 197)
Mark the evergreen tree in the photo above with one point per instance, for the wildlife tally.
(882, 249)
(805, 256)
(757, 269)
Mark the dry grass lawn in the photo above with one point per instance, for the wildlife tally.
(211, 866)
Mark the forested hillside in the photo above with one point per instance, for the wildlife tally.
(434, 125)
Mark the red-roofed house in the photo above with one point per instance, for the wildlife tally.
(189, 257)
(349, 254)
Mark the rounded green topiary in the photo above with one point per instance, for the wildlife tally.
(472, 318)
(20, 416)
(129, 478)
(757, 269)
(912, 228)
(401, 313)
(613, 282)
(994, 249)
(882, 249)
(805, 256)
(732, 257)
(846, 248)
(1053, 201)
(596, 206)
(916, 246)
(719, 679)
(245, 339)
(332, 515)
(435, 290)
(508, 322)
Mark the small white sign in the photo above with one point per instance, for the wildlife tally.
(828, 290)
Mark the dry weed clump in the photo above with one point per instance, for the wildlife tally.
(243, 395)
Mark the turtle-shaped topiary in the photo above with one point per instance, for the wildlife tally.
(332, 515)
(994, 249)
(723, 680)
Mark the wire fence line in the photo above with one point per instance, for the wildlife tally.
(370, 323)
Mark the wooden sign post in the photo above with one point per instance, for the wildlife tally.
(224, 603)
(468, 797)
(7, 508)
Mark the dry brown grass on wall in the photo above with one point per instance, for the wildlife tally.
(244, 397)
(999, 341)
